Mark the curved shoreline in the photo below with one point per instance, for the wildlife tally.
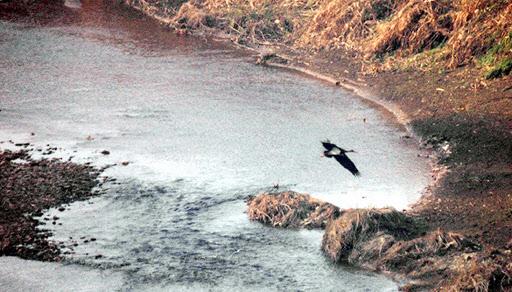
(444, 137)
(398, 115)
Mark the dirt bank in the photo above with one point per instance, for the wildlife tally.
(27, 188)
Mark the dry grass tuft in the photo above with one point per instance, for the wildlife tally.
(344, 23)
(387, 240)
(356, 226)
(489, 273)
(416, 26)
(413, 32)
(479, 25)
(192, 16)
(290, 209)
(248, 21)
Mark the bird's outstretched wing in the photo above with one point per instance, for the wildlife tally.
(347, 163)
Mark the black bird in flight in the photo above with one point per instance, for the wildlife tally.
(331, 150)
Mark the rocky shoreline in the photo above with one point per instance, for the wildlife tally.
(28, 187)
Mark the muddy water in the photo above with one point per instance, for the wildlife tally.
(202, 128)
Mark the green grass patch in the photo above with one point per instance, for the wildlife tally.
(503, 68)
(497, 60)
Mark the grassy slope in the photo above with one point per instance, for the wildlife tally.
(452, 33)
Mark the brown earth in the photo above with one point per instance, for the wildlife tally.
(27, 187)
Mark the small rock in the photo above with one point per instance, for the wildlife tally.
(93, 239)
(105, 152)
(98, 256)
(125, 163)
(61, 209)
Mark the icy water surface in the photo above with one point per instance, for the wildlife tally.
(202, 129)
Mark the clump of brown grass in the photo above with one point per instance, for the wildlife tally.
(192, 16)
(483, 273)
(344, 23)
(434, 245)
(290, 209)
(478, 26)
(416, 26)
(385, 239)
(357, 226)
(253, 21)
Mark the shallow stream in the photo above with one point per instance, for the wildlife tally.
(202, 128)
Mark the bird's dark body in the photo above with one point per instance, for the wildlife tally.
(331, 150)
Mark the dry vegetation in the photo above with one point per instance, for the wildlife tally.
(290, 209)
(391, 241)
(387, 240)
(450, 33)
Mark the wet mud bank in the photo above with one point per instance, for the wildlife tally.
(27, 188)
(398, 244)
